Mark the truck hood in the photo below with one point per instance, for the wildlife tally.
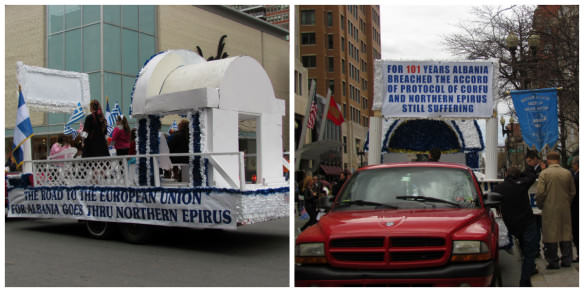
(424, 222)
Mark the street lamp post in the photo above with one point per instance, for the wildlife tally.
(360, 153)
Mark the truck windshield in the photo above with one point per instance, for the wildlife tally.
(411, 188)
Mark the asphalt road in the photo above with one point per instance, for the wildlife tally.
(58, 253)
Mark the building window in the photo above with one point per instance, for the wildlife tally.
(331, 64)
(309, 61)
(344, 88)
(75, 40)
(344, 111)
(308, 38)
(299, 83)
(329, 18)
(345, 146)
(307, 17)
(343, 44)
(343, 66)
(342, 22)
(331, 86)
(331, 41)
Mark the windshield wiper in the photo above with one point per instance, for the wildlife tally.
(366, 203)
(427, 199)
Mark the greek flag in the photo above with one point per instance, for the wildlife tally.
(111, 117)
(173, 127)
(77, 115)
(22, 131)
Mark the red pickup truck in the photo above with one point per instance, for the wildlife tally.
(407, 224)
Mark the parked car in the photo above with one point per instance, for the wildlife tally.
(407, 224)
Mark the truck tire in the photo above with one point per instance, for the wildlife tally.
(99, 229)
(136, 233)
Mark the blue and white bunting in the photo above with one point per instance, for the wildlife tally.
(22, 131)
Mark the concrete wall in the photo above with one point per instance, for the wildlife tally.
(24, 41)
(185, 27)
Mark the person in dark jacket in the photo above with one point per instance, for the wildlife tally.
(310, 201)
(96, 128)
(179, 143)
(519, 218)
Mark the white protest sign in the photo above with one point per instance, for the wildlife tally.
(434, 89)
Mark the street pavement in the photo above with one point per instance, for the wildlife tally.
(510, 264)
(58, 253)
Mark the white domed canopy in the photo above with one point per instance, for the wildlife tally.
(179, 81)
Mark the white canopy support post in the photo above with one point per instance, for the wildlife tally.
(241, 171)
(375, 125)
(27, 157)
(491, 148)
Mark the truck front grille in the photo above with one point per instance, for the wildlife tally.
(359, 256)
(390, 252)
(358, 242)
(416, 241)
(415, 256)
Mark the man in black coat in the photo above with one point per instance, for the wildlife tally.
(519, 218)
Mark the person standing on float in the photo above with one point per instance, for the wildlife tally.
(95, 128)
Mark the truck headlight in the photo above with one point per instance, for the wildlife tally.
(469, 251)
(310, 253)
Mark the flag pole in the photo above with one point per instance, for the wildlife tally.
(298, 153)
(324, 114)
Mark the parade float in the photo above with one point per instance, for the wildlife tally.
(421, 105)
(108, 192)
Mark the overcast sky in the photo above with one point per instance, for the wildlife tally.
(416, 32)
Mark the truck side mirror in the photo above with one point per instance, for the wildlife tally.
(325, 202)
(492, 199)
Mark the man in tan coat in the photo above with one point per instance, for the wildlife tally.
(555, 191)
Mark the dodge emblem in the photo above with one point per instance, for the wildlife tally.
(389, 224)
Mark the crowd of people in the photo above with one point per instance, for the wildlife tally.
(556, 226)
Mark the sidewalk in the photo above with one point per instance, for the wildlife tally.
(564, 277)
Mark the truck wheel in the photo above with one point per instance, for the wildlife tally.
(100, 230)
(136, 233)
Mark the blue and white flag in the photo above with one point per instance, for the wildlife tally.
(111, 117)
(538, 116)
(22, 131)
(76, 116)
(173, 127)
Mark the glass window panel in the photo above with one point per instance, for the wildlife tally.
(130, 52)
(127, 85)
(130, 16)
(90, 13)
(111, 48)
(111, 14)
(72, 16)
(112, 88)
(73, 50)
(55, 51)
(56, 18)
(147, 19)
(147, 48)
(95, 85)
(91, 53)
(56, 119)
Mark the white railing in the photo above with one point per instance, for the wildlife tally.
(116, 170)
